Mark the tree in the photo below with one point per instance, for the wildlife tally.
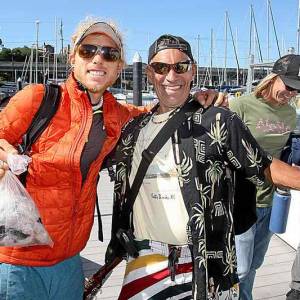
(20, 53)
(5, 54)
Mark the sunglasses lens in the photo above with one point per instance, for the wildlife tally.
(160, 68)
(110, 54)
(163, 68)
(290, 89)
(182, 67)
(87, 51)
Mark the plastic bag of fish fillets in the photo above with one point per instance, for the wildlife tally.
(20, 221)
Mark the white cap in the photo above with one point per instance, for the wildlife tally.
(100, 27)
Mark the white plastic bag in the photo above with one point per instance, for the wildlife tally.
(20, 222)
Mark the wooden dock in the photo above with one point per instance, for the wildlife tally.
(272, 280)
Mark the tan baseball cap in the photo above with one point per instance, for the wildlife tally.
(100, 27)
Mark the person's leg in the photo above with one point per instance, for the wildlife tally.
(262, 239)
(244, 251)
(67, 280)
(21, 282)
(62, 281)
(294, 293)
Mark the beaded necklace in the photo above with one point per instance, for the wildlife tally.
(169, 116)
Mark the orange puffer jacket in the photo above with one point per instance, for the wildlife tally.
(54, 179)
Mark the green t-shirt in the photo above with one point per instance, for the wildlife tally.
(271, 126)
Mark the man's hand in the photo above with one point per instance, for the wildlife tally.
(208, 97)
(5, 148)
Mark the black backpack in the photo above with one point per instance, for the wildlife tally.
(41, 119)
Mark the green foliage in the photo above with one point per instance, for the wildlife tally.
(15, 54)
(5, 54)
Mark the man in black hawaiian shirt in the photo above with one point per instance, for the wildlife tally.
(182, 218)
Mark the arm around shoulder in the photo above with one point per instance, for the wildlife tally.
(283, 175)
(137, 110)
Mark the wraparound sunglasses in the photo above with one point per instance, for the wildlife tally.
(164, 68)
(290, 89)
(107, 53)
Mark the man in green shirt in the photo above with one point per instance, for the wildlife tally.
(270, 118)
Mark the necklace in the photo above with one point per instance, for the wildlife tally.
(97, 107)
(167, 116)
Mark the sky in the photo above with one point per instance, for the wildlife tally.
(141, 22)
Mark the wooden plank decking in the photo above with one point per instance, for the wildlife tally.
(272, 280)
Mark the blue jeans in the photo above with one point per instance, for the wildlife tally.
(63, 281)
(295, 284)
(251, 248)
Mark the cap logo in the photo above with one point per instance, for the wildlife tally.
(170, 42)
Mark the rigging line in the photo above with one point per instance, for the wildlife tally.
(274, 28)
(233, 43)
(257, 37)
(250, 32)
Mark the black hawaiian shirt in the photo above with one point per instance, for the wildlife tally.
(208, 147)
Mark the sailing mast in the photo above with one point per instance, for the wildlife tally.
(37, 22)
(298, 29)
(198, 57)
(211, 57)
(31, 64)
(54, 54)
(225, 51)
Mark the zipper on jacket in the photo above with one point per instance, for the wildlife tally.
(72, 165)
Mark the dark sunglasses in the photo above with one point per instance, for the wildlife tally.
(163, 68)
(107, 53)
(290, 89)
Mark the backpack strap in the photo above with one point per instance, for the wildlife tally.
(43, 116)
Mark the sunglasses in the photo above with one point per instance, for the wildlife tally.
(107, 53)
(179, 68)
(290, 89)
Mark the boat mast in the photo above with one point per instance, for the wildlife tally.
(37, 22)
(198, 57)
(298, 29)
(225, 51)
(211, 57)
(268, 31)
(54, 54)
(31, 64)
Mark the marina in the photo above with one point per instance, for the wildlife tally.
(228, 60)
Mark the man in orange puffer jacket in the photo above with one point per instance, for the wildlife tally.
(66, 160)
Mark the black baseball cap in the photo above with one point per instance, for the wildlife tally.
(168, 41)
(288, 69)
